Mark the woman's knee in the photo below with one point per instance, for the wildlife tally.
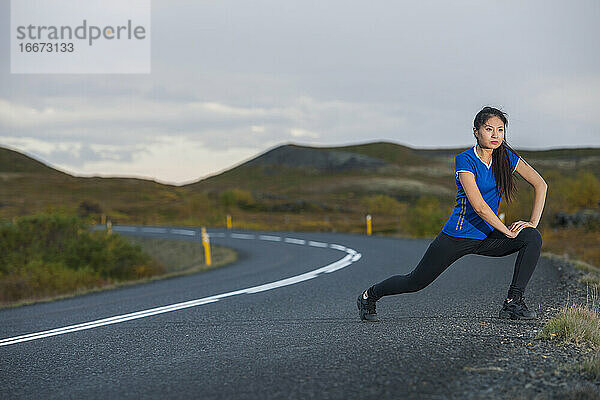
(531, 235)
(418, 281)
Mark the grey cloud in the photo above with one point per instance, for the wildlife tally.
(86, 154)
(415, 73)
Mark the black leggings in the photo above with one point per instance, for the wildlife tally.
(446, 249)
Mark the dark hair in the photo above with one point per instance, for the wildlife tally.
(500, 161)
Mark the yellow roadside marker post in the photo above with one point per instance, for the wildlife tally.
(206, 244)
(108, 227)
(103, 219)
(369, 228)
(228, 221)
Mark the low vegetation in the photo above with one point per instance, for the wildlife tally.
(579, 325)
(408, 192)
(180, 257)
(48, 255)
(576, 324)
(591, 366)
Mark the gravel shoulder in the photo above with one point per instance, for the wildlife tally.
(519, 366)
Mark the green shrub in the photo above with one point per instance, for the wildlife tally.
(426, 217)
(569, 193)
(237, 197)
(49, 254)
(383, 204)
(584, 191)
(38, 279)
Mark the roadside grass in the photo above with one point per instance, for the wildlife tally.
(181, 257)
(592, 273)
(592, 366)
(592, 276)
(578, 324)
(45, 255)
(591, 280)
(186, 262)
(176, 258)
(575, 323)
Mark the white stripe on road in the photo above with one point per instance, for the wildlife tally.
(124, 229)
(295, 241)
(271, 238)
(153, 230)
(344, 262)
(183, 232)
(102, 322)
(350, 257)
(242, 236)
(317, 244)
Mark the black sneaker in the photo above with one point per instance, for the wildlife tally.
(516, 309)
(366, 309)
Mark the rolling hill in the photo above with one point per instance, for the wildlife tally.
(286, 183)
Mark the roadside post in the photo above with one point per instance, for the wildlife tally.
(206, 244)
(369, 228)
(228, 221)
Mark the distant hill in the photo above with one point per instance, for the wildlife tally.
(286, 177)
(291, 165)
(14, 162)
(315, 158)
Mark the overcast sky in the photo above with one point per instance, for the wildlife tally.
(231, 79)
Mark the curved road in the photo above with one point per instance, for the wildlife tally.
(281, 322)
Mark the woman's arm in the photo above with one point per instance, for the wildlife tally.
(540, 188)
(467, 180)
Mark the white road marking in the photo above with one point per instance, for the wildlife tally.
(344, 262)
(124, 229)
(271, 238)
(351, 256)
(317, 244)
(219, 234)
(183, 232)
(105, 321)
(242, 236)
(153, 230)
(295, 241)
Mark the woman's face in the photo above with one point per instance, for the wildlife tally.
(491, 134)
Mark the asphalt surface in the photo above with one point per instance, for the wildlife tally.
(302, 340)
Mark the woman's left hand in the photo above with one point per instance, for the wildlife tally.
(518, 225)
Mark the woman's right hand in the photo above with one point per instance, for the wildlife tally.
(513, 233)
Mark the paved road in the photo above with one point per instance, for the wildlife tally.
(300, 340)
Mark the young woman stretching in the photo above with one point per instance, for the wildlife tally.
(483, 175)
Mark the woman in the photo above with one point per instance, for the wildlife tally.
(483, 175)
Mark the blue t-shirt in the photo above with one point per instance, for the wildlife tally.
(464, 222)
